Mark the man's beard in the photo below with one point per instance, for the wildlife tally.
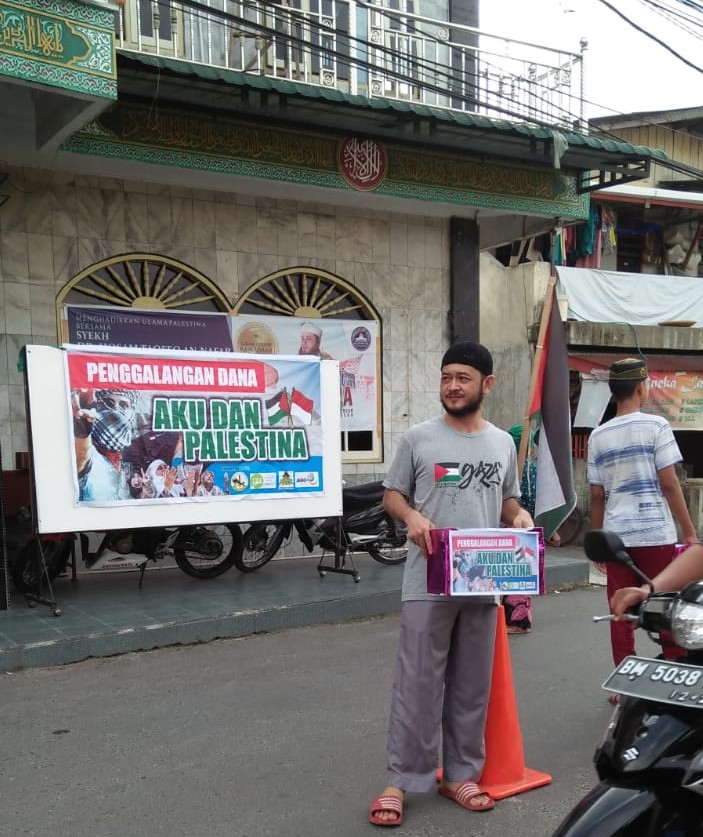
(468, 409)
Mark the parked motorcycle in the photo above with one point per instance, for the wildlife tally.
(199, 551)
(650, 762)
(363, 527)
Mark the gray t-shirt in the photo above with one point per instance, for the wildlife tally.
(455, 479)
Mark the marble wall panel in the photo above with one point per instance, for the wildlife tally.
(306, 227)
(13, 217)
(37, 207)
(17, 311)
(246, 232)
(398, 263)
(14, 256)
(204, 223)
(63, 210)
(4, 380)
(65, 253)
(42, 312)
(136, 216)
(40, 252)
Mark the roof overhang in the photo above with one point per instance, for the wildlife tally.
(603, 162)
(642, 195)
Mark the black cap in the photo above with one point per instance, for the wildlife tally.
(470, 354)
(628, 369)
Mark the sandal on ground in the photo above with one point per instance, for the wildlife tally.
(614, 699)
(381, 804)
(514, 629)
(466, 795)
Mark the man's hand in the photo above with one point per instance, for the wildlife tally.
(627, 597)
(419, 528)
(523, 520)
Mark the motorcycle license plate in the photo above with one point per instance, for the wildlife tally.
(658, 680)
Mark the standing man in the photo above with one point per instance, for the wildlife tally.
(457, 470)
(635, 491)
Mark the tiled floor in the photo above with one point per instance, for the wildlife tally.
(106, 613)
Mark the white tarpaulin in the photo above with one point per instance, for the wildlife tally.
(605, 296)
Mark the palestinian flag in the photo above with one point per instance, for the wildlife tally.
(446, 472)
(301, 407)
(555, 496)
(278, 407)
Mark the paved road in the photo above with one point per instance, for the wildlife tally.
(278, 734)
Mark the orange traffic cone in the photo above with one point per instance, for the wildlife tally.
(504, 773)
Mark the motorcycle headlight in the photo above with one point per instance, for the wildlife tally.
(687, 624)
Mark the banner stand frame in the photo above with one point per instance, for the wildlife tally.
(340, 554)
(41, 571)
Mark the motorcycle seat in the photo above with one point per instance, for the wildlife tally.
(363, 495)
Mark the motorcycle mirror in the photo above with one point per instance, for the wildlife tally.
(603, 547)
(606, 547)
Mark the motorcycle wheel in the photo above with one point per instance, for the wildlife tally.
(23, 571)
(392, 549)
(218, 559)
(260, 543)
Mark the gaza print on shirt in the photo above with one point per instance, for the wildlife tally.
(462, 476)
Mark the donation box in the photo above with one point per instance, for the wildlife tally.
(476, 562)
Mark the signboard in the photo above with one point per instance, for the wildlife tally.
(353, 343)
(678, 397)
(480, 562)
(100, 325)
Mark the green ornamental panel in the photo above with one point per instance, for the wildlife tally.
(197, 141)
(59, 44)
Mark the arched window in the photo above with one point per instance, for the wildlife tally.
(140, 280)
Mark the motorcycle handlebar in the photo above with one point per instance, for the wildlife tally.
(627, 617)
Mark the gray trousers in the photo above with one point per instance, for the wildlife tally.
(442, 681)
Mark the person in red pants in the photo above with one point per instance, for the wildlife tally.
(635, 491)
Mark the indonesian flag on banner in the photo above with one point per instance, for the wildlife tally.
(555, 496)
(301, 407)
(278, 407)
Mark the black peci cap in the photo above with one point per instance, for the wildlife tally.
(470, 354)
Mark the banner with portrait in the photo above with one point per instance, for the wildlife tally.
(165, 427)
(353, 343)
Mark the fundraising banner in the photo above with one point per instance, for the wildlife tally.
(193, 427)
(354, 343)
(479, 562)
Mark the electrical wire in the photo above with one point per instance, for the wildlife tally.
(652, 37)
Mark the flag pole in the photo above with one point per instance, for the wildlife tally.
(534, 378)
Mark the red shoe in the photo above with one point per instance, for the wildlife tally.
(381, 804)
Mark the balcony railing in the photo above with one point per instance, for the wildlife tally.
(367, 49)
